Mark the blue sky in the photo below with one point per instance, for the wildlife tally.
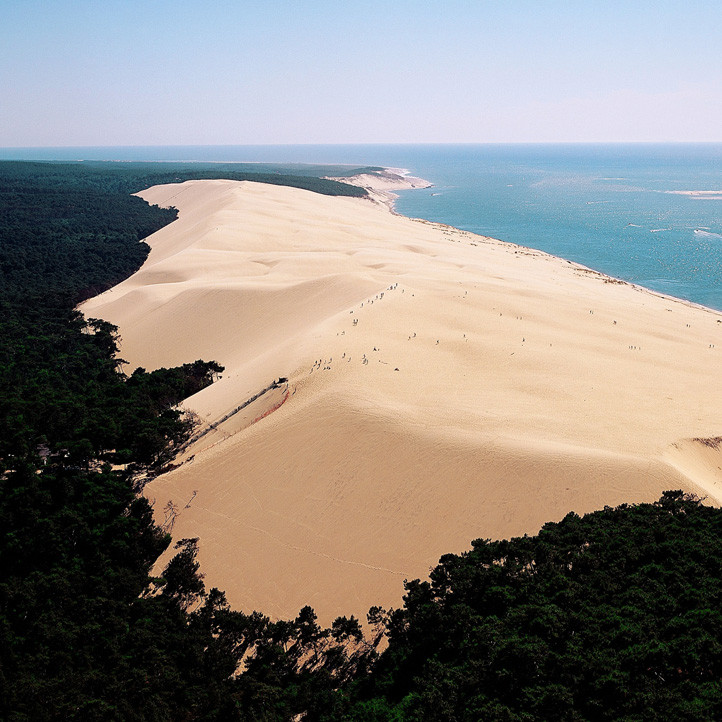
(86, 72)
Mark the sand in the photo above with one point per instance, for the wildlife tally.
(382, 185)
(441, 387)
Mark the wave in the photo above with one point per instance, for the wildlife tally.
(706, 234)
(709, 195)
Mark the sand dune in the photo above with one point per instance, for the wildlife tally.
(441, 387)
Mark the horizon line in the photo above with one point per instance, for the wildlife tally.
(369, 143)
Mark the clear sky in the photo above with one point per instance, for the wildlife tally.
(126, 72)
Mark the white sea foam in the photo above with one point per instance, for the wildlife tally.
(706, 234)
(704, 195)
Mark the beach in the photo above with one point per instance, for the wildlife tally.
(431, 387)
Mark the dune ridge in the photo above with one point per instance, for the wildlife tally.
(441, 387)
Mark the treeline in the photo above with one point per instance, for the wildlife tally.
(85, 632)
(75, 225)
(615, 615)
(126, 178)
(612, 616)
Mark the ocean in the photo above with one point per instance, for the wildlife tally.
(625, 210)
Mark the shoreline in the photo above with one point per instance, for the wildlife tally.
(442, 386)
(400, 175)
(381, 186)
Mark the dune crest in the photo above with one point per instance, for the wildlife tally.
(440, 387)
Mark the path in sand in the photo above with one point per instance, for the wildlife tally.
(441, 387)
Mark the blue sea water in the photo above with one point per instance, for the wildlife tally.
(608, 207)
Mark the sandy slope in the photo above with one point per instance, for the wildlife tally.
(441, 387)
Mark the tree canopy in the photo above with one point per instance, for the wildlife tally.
(614, 615)
(85, 631)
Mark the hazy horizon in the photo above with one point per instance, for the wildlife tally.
(89, 74)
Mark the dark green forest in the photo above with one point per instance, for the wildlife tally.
(614, 615)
